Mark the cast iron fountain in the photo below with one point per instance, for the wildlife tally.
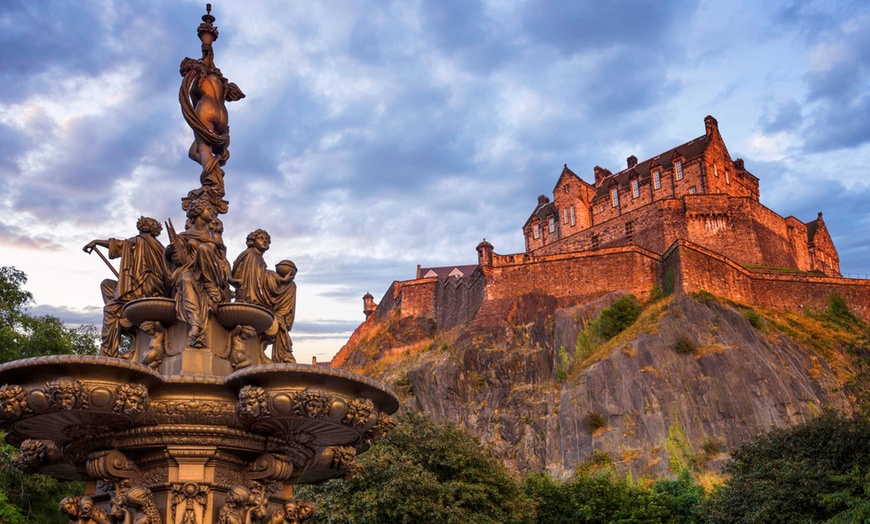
(194, 424)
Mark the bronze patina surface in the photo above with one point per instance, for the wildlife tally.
(195, 423)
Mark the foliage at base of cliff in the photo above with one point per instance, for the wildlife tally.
(815, 472)
(424, 472)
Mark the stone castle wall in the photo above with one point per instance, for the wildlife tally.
(685, 267)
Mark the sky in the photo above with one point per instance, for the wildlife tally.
(378, 135)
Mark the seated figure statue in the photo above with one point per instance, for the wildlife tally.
(274, 290)
(142, 274)
(199, 270)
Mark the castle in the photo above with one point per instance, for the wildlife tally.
(686, 220)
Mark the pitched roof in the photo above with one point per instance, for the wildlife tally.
(446, 271)
(543, 209)
(688, 151)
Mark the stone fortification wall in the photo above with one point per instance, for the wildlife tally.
(457, 300)
(695, 268)
(411, 297)
(628, 268)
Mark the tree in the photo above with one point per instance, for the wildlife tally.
(818, 471)
(32, 498)
(424, 472)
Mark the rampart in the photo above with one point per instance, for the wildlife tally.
(685, 267)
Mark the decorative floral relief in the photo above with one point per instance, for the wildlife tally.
(359, 412)
(13, 402)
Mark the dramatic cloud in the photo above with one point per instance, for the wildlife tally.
(376, 136)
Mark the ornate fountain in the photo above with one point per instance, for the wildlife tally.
(193, 423)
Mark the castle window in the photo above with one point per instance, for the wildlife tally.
(657, 179)
(537, 231)
(715, 170)
(594, 241)
(565, 216)
(552, 223)
(629, 230)
(727, 178)
(614, 197)
(635, 188)
(565, 188)
(573, 217)
(692, 190)
(678, 168)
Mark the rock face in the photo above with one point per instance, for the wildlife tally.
(688, 381)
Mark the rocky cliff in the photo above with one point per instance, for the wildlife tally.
(688, 380)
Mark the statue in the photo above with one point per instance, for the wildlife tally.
(237, 506)
(235, 350)
(81, 510)
(274, 290)
(138, 507)
(157, 345)
(199, 276)
(293, 512)
(142, 274)
(202, 95)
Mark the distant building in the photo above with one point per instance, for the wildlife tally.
(693, 192)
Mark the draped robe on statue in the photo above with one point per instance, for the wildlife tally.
(267, 288)
(200, 279)
(142, 274)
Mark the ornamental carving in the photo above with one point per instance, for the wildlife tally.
(296, 446)
(312, 403)
(237, 506)
(294, 511)
(66, 393)
(193, 412)
(270, 467)
(82, 510)
(359, 413)
(189, 501)
(131, 400)
(137, 505)
(341, 459)
(13, 402)
(384, 425)
(111, 464)
(36, 453)
(253, 403)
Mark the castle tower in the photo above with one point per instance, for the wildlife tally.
(484, 254)
(369, 305)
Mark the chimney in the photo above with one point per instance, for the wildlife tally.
(313, 360)
(738, 164)
(711, 125)
(599, 175)
(543, 199)
(631, 161)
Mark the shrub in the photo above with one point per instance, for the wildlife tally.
(704, 296)
(595, 421)
(618, 316)
(838, 313)
(685, 345)
(754, 318)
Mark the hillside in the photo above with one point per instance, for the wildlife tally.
(688, 380)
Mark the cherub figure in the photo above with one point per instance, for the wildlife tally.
(235, 349)
(157, 345)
